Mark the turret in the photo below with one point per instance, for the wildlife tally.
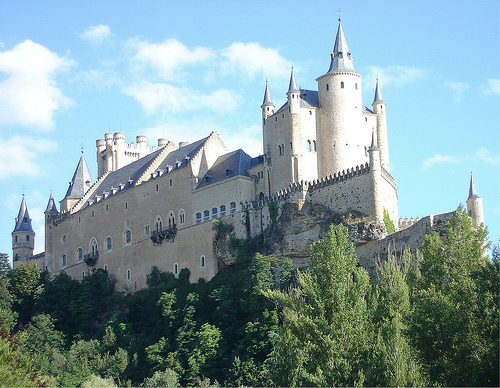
(78, 186)
(475, 204)
(340, 134)
(267, 105)
(23, 236)
(293, 95)
(51, 213)
(375, 172)
(383, 143)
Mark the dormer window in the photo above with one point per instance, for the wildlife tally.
(229, 171)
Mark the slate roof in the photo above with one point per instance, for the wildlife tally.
(308, 99)
(23, 220)
(51, 205)
(227, 166)
(472, 189)
(81, 181)
(125, 178)
(341, 56)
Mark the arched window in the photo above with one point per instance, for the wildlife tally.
(109, 244)
(83, 274)
(314, 145)
(158, 224)
(79, 255)
(93, 247)
(182, 217)
(198, 218)
(232, 207)
(171, 220)
(309, 145)
(206, 216)
(147, 228)
(202, 261)
(222, 210)
(106, 267)
(214, 213)
(342, 85)
(63, 261)
(127, 237)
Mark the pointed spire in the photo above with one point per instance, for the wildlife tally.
(341, 56)
(378, 94)
(267, 97)
(374, 146)
(293, 85)
(23, 220)
(51, 205)
(472, 188)
(81, 182)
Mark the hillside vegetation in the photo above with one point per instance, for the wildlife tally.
(431, 318)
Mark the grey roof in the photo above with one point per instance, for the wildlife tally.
(472, 189)
(257, 160)
(23, 220)
(51, 205)
(227, 166)
(292, 87)
(267, 97)
(341, 56)
(81, 181)
(125, 178)
(378, 94)
(308, 99)
(367, 110)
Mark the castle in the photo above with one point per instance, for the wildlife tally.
(153, 206)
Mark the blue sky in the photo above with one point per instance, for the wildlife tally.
(72, 71)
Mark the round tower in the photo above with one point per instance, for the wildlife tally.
(383, 142)
(51, 213)
(293, 95)
(23, 236)
(475, 204)
(101, 156)
(375, 172)
(340, 136)
(267, 105)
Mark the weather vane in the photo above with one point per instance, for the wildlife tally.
(82, 146)
(23, 189)
(339, 12)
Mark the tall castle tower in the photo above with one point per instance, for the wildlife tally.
(475, 204)
(342, 137)
(23, 236)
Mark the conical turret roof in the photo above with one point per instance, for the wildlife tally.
(267, 97)
(341, 56)
(472, 188)
(51, 205)
(292, 87)
(23, 220)
(378, 94)
(81, 182)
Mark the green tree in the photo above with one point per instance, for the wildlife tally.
(4, 264)
(393, 362)
(456, 318)
(15, 369)
(324, 337)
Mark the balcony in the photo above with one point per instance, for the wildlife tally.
(167, 234)
(91, 259)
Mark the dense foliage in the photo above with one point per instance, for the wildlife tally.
(430, 318)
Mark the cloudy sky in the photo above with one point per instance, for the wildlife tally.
(72, 71)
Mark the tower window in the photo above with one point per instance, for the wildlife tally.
(214, 213)
(222, 210)
(206, 216)
(309, 145)
(198, 218)
(127, 236)
(232, 207)
(342, 85)
(170, 182)
(176, 269)
(63, 260)
(129, 275)
(327, 87)
(146, 229)
(109, 244)
(202, 261)
(28, 238)
(356, 86)
(157, 187)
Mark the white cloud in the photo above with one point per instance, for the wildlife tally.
(439, 159)
(19, 156)
(28, 95)
(97, 34)
(458, 88)
(394, 75)
(252, 58)
(165, 97)
(168, 57)
(492, 86)
(483, 155)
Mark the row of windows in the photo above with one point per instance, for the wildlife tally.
(215, 213)
(311, 146)
(342, 85)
